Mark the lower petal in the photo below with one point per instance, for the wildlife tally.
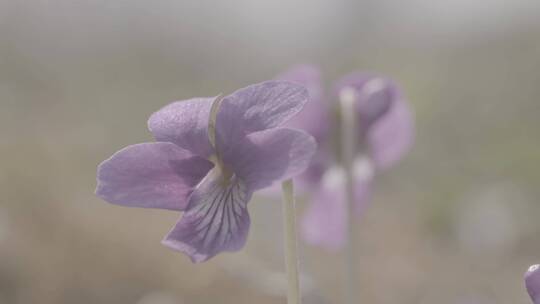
(324, 223)
(216, 219)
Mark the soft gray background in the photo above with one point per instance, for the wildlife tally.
(454, 223)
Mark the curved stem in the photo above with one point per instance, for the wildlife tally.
(212, 119)
(291, 247)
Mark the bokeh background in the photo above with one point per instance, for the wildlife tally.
(455, 223)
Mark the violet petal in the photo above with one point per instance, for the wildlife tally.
(151, 175)
(391, 136)
(184, 123)
(264, 157)
(258, 107)
(374, 96)
(323, 224)
(532, 282)
(385, 120)
(216, 219)
(314, 118)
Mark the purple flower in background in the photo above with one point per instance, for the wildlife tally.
(211, 174)
(385, 134)
(532, 282)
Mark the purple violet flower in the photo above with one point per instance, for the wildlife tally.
(210, 171)
(386, 133)
(532, 282)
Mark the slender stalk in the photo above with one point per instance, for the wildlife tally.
(291, 248)
(348, 145)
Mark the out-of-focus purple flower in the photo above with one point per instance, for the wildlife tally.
(385, 134)
(211, 180)
(532, 282)
(385, 122)
(315, 117)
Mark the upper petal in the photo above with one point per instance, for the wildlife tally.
(184, 123)
(323, 223)
(532, 282)
(392, 136)
(216, 220)
(258, 107)
(315, 116)
(151, 175)
(262, 158)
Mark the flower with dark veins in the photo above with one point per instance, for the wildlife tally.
(385, 133)
(210, 156)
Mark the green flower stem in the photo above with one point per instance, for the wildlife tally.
(349, 144)
(291, 247)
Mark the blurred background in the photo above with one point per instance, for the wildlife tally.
(454, 223)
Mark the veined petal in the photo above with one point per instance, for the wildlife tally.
(324, 222)
(216, 220)
(532, 282)
(257, 107)
(151, 175)
(184, 123)
(314, 117)
(391, 136)
(262, 158)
